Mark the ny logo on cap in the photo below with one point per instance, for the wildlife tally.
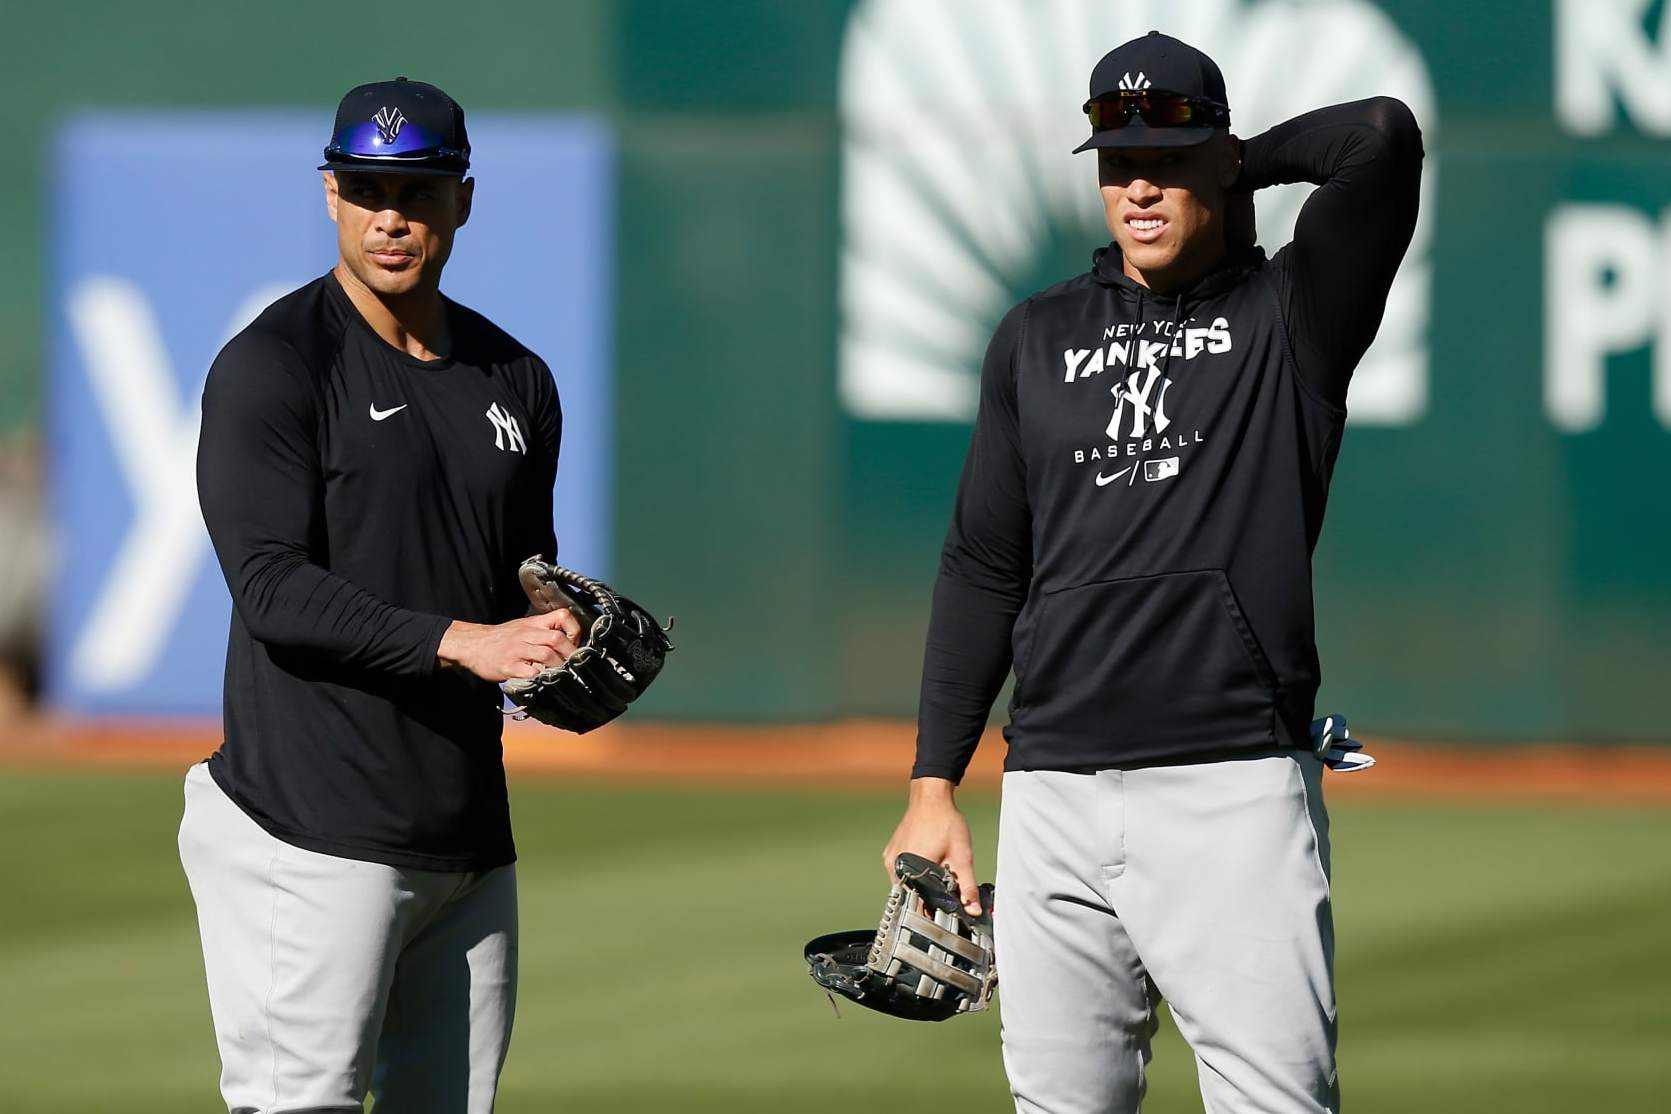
(389, 121)
(1141, 82)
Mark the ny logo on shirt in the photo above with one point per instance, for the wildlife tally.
(505, 428)
(1142, 413)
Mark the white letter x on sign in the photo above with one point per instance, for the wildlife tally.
(153, 431)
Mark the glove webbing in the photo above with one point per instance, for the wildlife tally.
(601, 595)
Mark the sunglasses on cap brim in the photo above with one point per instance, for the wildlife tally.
(1158, 110)
(412, 144)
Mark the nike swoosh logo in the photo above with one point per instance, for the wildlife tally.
(1104, 481)
(378, 415)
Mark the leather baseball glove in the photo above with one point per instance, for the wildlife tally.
(929, 959)
(621, 650)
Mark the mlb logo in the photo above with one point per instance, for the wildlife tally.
(1160, 469)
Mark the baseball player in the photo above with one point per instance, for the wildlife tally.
(1133, 531)
(375, 460)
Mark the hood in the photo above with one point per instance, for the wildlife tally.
(1236, 264)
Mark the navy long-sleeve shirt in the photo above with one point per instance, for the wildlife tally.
(360, 500)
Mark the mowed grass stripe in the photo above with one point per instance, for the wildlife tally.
(1490, 958)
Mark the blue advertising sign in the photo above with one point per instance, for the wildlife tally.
(170, 232)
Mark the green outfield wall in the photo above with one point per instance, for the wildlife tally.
(823, 208)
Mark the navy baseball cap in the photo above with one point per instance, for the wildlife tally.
(399, 127)
(1155, 91)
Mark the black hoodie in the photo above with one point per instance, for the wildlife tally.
(1147, 479)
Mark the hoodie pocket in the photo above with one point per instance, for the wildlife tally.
(1153, 663)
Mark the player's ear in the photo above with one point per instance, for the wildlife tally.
(330, 194)
(466, 197)
(1229, 160)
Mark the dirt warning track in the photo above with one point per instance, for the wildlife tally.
(873, 753)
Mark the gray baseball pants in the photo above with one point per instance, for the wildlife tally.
(1205, 884)
(331, 977)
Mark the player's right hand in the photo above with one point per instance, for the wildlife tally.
(934, 828)
(504, 651)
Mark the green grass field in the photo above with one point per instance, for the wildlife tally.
(1490, 958)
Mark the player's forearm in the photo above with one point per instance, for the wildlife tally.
(287, 601)
(965, 662)
(1363, 144)
(259, 513)
(1352, 232)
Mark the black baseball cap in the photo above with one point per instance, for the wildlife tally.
(399, 127)
(1181, 84)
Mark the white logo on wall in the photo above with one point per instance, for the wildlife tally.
(505, 429)
(955, 165)
(1607, 269)
(1607, 265)
(1605, 56)
(153, 427)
